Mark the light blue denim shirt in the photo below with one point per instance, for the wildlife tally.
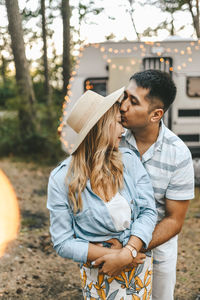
(71, 233)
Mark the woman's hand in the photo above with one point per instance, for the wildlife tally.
(114, 264)
(115, 244)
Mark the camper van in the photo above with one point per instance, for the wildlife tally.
(107, 66)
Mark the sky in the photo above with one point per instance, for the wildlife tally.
(97, 27)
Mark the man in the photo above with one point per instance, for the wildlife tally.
(169, 164)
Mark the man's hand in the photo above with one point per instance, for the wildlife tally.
(137, 261)
(115, 244)
(114, 264)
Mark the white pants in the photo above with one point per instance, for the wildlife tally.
(164, 271)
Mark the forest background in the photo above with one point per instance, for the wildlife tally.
(35, 68)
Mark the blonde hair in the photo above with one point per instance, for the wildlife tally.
(97, 161)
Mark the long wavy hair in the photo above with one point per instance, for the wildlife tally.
(97, 161)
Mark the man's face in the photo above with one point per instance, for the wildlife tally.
(135, 107)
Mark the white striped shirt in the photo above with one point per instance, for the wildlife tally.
(169, 164)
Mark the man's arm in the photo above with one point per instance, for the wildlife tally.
(175, 211)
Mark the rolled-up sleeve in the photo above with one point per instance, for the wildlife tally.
(143, 226)
(61, 223)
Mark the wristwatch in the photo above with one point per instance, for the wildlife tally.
(133, 250)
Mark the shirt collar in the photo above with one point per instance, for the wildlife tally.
(157, 146)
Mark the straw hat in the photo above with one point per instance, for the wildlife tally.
(87, 111)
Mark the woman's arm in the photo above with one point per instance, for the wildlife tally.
(61, 227)
(95, 252)
(146, 217)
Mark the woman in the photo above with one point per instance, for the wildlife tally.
(100, 193)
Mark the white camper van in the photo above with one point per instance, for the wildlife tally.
(108, 66)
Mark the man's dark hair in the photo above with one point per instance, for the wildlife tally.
(160, 85)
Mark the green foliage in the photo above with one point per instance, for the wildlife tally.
(40, 144)
(7, 91)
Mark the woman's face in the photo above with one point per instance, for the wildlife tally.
(116, 131)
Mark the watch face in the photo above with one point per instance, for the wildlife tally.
(134, 253)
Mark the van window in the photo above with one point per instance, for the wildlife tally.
(193, 86)
(98, 85)
(158, 63)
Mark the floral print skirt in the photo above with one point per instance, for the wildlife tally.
(132, 284)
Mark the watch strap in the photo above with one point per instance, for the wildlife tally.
(131, 248)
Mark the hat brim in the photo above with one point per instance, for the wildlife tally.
(108, 102)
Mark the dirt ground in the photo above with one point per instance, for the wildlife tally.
(30, 269)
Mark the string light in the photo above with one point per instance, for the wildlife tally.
(67, 99)
(69, 93)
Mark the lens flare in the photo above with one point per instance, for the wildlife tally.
(9, 213)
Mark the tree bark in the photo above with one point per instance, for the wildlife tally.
(24, 83)
(196, 17)
(66, 43)
(3, 68)
(45, 59)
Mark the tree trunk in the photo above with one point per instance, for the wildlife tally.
(45, 60)
(196, 17)
(172, 25)
(66, 44)
(25, 88)
(3, 68)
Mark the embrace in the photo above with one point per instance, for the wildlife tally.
(118, 202)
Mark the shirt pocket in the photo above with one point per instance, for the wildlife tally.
(84, 219)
